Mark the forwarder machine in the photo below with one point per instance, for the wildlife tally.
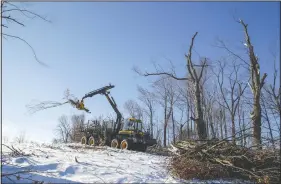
(125, 134)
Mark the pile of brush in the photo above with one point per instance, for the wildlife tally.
(222, 159)
(158, 150)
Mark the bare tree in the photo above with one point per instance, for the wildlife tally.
(239, 114)
(129, 106)
(21, 137)
(257, 82)
(182, 109)
(272, 93)
(208, 101)
(77, 126)
(184, 104)
(231, 95)
(167, 97)
(158, 135)
(163, 100)
(64, 129)
(266, 117)
(270, 103)
(78, 121)
(149, 100)
(218, 117)
(195, 77)
(134, 109)
(174, 128)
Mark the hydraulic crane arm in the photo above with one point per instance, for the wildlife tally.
(102, 90)
(105, 91)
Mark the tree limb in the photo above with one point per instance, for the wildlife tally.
(33, 51)
(165, 73)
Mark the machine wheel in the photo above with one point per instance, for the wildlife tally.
(125, 144)
(84, 140)
(143, 147)
(91, 141)
(114, 143)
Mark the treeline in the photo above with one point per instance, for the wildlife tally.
(227, 99)
(67, 127)
(71, 128)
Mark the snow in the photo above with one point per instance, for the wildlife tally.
(56, 163)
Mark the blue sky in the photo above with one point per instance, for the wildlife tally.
(89, 45)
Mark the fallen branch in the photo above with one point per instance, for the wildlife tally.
(39, 106)
(15, 152)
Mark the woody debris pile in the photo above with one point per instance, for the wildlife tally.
(222, 159)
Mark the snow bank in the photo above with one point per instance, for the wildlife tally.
(72, 163)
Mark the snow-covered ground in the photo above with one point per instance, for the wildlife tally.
(57, 163)
(71, 163)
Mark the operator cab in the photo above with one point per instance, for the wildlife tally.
(132, 124)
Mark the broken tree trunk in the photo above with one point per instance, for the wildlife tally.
(256, 85)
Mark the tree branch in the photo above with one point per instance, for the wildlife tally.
(14, 8)
(223, 46)
(23, 11)
(33, 51)
(188, 57)
(263, 79)
(12, 19)
(168, 74)
(202, 69)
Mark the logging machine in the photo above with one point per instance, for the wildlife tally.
(125, 133)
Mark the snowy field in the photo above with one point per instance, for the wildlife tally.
(71, 163)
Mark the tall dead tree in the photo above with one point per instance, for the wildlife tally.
(207, 100)
(257, 82)
(195, 77)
